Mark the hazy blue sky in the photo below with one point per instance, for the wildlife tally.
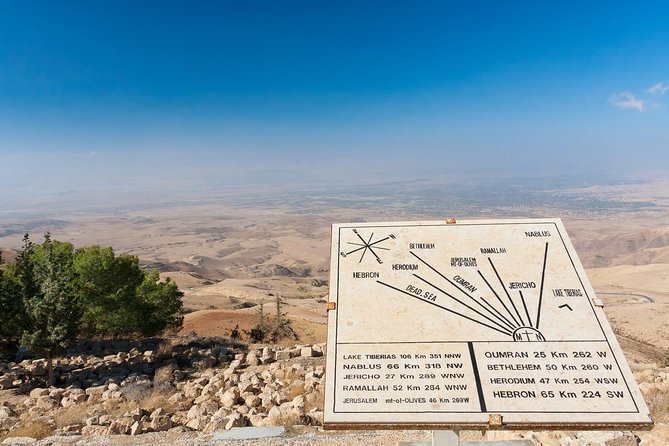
(193, 92)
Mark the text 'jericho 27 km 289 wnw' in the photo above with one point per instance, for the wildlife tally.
(471, 324)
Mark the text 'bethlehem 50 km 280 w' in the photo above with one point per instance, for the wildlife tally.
(437, 324)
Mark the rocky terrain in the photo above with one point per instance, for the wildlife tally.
(190, 385)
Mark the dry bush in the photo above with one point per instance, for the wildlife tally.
(159, 398)
(285, 342)
(318, 402)
(164, 349)
(658, 403)
(164, 376)
(136, 397)
(143, 397)
(116, 409)
(75, 414)
(36, 429)
(136, 392)
(296, 389)
(287, 420)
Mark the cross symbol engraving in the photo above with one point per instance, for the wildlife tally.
(528, 334)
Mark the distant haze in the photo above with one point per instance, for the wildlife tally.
(168, 99)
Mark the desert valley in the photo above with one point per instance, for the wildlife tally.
(230, 253)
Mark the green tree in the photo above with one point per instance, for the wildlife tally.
(53, 294)
(119, 299)
(11, 308)
(24, 269)
(161, 305)
(52, 309)
(106, 285)
(16, 283)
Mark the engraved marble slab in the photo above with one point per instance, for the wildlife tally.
(451, 325)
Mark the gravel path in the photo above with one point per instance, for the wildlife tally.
(315, 437)
(309, 437)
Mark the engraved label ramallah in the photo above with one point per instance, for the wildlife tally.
(493, 250)
(363, 388)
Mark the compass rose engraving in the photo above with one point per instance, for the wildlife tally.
(369, 245)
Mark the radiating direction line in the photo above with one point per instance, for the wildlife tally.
(527, 313)
(362, 239)
(495, 315)
(355, 250)
(367, 245)
(497, 296)
(506, 321)
(446, 309)
(506, 291)
(379, 241)
(541, 289)
(460, 289)
(363, 254)
(462, 303)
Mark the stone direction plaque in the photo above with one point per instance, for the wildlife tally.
(450, 325)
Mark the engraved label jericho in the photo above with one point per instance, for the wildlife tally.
(445, 324)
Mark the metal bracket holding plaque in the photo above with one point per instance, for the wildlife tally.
(470, 325)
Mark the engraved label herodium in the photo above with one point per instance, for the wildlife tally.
(446, 324)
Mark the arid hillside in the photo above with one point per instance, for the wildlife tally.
(228, 256)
